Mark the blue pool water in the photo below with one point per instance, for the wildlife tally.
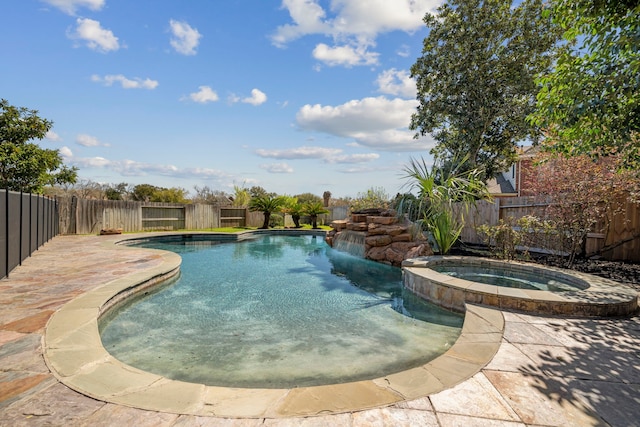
(277, 312)
(508, 277)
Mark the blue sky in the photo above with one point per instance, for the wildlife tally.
(295, 96)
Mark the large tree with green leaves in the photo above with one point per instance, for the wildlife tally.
(25, 166)
(476, 79)
(590, 103)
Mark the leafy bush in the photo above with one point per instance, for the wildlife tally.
(373, 198)
(514, 238)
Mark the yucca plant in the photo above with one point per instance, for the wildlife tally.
(444, 198)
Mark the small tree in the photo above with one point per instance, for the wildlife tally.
(583, 195)
(294, 208)
(313, 209)
(24, 166)
(267, 205)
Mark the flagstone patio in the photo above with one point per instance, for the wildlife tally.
(548, 371)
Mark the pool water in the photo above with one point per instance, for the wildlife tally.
(506, 277)
(277, 312)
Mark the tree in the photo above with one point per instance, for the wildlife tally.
(307, 197)
(151, 193)
(207, 195)
(267, 205)
(582, 195)
(590, 103)
(241, 196)
(292, 207)
(373, 198)
(313, 209)
(24, 166)
(116, 191)
(143, 192)
(170, 195)
(257, 191)
(475, 79)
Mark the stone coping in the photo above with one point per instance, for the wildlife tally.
(595, 296)
(74, 353)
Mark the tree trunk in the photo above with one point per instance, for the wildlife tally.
(296, 220)
(314, 221)
(267, 216)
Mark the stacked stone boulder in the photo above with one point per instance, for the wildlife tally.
(388, 239)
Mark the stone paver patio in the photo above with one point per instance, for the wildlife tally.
(547, 372)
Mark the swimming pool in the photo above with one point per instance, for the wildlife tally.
(274, 312)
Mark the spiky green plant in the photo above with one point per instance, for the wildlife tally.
(444, 198)
(267, 205)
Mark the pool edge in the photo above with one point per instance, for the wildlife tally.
(74, 353)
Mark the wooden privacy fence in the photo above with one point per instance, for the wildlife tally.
(28, 221)
(621, 243)
(88, 216)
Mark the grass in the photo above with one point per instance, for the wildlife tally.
(240, 229)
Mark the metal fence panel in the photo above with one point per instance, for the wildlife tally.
(13, 235)
(26, 222)
(4, 250)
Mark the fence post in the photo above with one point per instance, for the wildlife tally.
(71, 229)
(20, 232)
(6, 232)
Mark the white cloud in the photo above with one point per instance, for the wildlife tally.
(403, 51)
(70, 6)
(95, 37)
(308, 18)
(89, 141)
(126, 83)
(354, 23)
(52, 136)
(354, 158)
(257, 97)
(300, 153)
(203, 95)
(277, 168)
(128, 167)
(347, 56)
(327, 155)
(372, 122)
(185, 39)
(66, 152)
(397, 83)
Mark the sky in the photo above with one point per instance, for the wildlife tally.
(295, 96)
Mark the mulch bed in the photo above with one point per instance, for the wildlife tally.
(622, 272)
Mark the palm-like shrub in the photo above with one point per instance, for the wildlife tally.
(444, 198)
(313, 209)
(293, 208)
(267, 205)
